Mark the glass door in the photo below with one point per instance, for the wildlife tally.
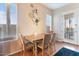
(70, 28)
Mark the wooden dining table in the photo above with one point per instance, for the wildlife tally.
(33, 39)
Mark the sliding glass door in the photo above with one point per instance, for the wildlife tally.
(70, 28)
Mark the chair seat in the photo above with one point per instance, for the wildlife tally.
(41, 46)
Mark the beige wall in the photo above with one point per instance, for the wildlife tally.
(26, 25)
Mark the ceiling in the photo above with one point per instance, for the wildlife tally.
(55, 5)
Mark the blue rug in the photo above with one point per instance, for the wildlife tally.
(66, 52)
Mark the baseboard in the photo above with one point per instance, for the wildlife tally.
(14, 52)
(60, 40)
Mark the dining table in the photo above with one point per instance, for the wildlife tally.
(33, 38)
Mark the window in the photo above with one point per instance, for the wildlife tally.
(13, 14)
(8, 21)
(48, 23)
(3, 20)
(2, 13)
(13, 20)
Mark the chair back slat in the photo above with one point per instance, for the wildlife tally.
(47, 39)
(53, 37)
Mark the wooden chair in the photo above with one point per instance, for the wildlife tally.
(52, 42)
(25, 44)
(44, 43)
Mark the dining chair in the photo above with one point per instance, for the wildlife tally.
(26, 45)
(43, 44)
(52, 42)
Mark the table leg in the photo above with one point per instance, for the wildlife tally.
(35, 48)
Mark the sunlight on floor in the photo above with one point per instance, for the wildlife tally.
(72, 48)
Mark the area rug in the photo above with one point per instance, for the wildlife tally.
(66, 52)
